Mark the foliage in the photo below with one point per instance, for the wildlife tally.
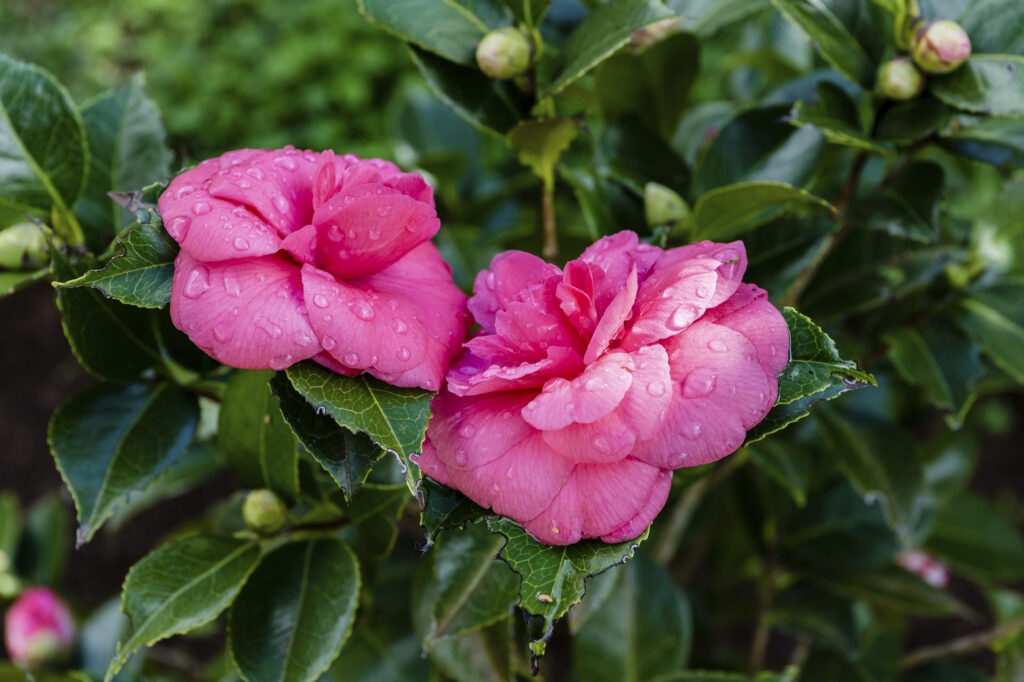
(893, 228)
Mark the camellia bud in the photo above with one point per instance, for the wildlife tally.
(662, 205)
(263, 511)
(22, 246)
(899, 79)
(503, 53)
(941, 46)
(37, 628)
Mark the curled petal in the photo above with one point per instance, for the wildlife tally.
(593, 394)
(429, 463)
(471, 375)
(749, 312)
(267, 327)
(613, 319)
(471, 432)
(511, 272)
(211, 229)
(643, 518)
(612, 259)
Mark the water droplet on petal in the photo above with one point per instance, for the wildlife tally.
(302, 338)
(350, 233)
(467, 431)
(268, 327)
(351, 359)
(374, 235)
(461, 458)
(363, 310)
(682, 317)
(244, 184)
(328, 343)
(320, 301)
(717, 346)
(197, 282)
(334, 233)
(656, 388)
(222, 333)
(281, 204)
(255, 173)
(602, 446)
(383, 211)
(281, 361)
(178, 227)
(400, 326)
(489, 281)
(232, 287)
(403, 354)
(699, 383)
(241, 243)
(703, 292)
(201, 208)
(185, 190)
(286, 162)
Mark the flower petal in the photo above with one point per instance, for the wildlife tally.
(636, 525)
(429, 463)
(613, 319)
(585, 399)
(612, 259)
(749, 312)
(245, 313)
(471, 375)
(510, 273)
(211, 229)
(471, 432)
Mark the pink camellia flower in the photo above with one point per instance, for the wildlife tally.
(37, 628)
(925, 566)
(288, 255)
(587, 386)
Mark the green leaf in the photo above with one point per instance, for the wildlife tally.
(653, 84)
(111, 440)
(445, 509)
(758, 145)
(45, 540)
(990, 84)
(180, 586)
(529, 12)
(789, 464)
(998, 141)
(113, 341)
(831, 38)
(726, 212)
(995, 26)
(706, 17)
(10, 528)
(346, 456)
(893, 589)
(142, 274)
(602, 33)
(539, 144)
(552, 579)
(254, 436)
(11, 282)
(448, 28)
(474, 590)
(491, 105)
(641, 631)
(881, 463)
(908, 206)
(911, 356)
(295, 612)
(482, 655)
(44, 150)
(394, 418)
(977, 539)
(128, 151)
(995, 317)
(826, 619)
(834, 113)
(788, 675)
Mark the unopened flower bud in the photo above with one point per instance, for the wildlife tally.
(503, 53)
(899, 79)
(925, 566)
(37, 628)
(662, 205)
(22, 247)
(941, 46)
(263, 511)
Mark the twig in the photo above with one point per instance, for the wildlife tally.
(548, 209)
(961, 645)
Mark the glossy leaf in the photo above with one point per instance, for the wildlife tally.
(893, 589)
(552, 579)
(10, 282)
(995, 317)
(977, 539)
(180, 586)
(45, 542)
(127, 152)
(394, 418)
(10, 528)
(450, 29)
(141, 275)
(539, 143)
(488, 104)
(832, 39)
(706, 17)
(529, 12)
(641, 631)
(445, 509)
(253, 435)
(914, 360)
(998, 141)
(45, 152)
(474, 589)
(994, 26)
(725, 212)
(111, 440)
(603, 32)
(990, 84)
(295, 612)
(835, 114)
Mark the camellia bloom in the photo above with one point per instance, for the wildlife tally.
(586, 387)
(37, 628)
(288, 255)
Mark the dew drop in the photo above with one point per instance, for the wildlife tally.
(244, 184)
(232, 287)
(656, 389)
(601, 445)
(286, 162)
(489, 281)
(467, 431)
(201, 208)
(703, 292)
(198, 282)
(241, 243)
(683, 316)
(255, 173)
(320, 301)
(363, 310)
(328, 343)
(222, 333)
(383, 211)
(334, 233)
(717, 346)
(699, 383)
(400, 326)
(351, 359)
(185, 190)
(178, 227)
(302, 338)
(280, 203)
(374, 235)
(269, 328)
(351, 234)
(281, 361)
(461, 458)
(403, 354)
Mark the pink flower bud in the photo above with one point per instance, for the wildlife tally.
(503, 53)
(924, 566)
(37, 628)
(941, 46)
(900, 79)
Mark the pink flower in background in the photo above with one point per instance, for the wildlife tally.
(587, 386)
(925, 566)
(37, 628)
(288, 255)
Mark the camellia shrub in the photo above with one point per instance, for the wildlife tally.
(665, 348)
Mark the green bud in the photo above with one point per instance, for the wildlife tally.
(263, 511)
(662, 205)
(941, 46)
(504, 53)
(22, 247)
(899, 79)
(9, 586)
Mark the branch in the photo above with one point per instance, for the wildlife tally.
(961, 645)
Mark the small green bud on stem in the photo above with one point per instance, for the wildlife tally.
(899, 79)
(263, 511)
(22, 247)
(941, 46)
(504, 53)
(662, 205)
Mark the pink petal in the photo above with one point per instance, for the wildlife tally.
(366, 228)
(511, 272)
(749, 312)
(245, 313)
(585, 399)
(471, 432)
(301, 244)
(613, 319)
(636, 525)
(575, 294)
(431, 466)
(720, 392)
(530, 330)
(324, 359)
(471, 375)
(613, 258)
(211, 229)
(608, 439)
